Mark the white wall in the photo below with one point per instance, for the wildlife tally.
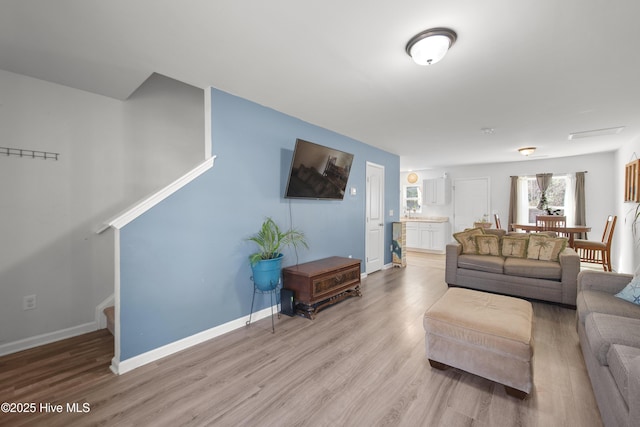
(49, 207)
(601, 188)
(164, 134)
(50, 210)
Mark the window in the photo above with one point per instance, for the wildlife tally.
(560, 198)
(412, 199)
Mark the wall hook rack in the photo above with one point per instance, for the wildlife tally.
(32, 154)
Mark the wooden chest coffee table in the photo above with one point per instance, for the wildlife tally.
(318, 284)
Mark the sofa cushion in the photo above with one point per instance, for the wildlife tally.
(490, 264)
(532, 268)
(631, 292)
(527, 235)
(466, 239)
(545, 248)
(603, 302)
(495, 232)
(619, 358)
(604, 330)
(488, 244)
(499, 323)
(546, 233)
(514, 246)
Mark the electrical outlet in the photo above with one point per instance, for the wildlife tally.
(29, 302)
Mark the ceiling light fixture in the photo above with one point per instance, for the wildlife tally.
(430, 46)
(597, 132)
(526, 151)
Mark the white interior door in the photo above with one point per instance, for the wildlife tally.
(470, 202)
(374, 238)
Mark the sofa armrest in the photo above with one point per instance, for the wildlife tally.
(634, 390)
(451, 262)
(603, 281)
(570, 264)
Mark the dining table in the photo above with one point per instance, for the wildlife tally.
(569, 230)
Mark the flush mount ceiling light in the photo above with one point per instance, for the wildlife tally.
(430, 46)
(527, 151)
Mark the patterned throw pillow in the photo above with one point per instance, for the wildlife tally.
(515, 247)
(488, 244)
(466, 239)
(631, 292)
(545, 248)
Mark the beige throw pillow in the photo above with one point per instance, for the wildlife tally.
(515, 247)
(467, 240)
(545, 248)
(488, 244)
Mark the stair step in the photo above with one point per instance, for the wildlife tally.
(110, 312)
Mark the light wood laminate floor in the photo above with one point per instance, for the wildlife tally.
(359, 363)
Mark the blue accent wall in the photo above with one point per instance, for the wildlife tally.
(184, 266)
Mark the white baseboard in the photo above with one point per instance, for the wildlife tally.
(47, 338)
(115, 366)
(384, 267)
(121, 367)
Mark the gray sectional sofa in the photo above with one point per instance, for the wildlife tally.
(554, 281)
(609, 332)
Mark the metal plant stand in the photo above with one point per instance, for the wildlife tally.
(274, 292)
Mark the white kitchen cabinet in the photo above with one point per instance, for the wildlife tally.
(437, 191)
(428, 236)
(413, 235)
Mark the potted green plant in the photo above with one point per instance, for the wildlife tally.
(266, 264)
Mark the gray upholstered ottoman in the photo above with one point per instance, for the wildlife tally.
(485, 334)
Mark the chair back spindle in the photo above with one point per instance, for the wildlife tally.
(552, 223)
(549, 222)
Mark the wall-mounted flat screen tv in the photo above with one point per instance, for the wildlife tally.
(318, 172)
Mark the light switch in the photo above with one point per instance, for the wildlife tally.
(353, 191)
(391, 212)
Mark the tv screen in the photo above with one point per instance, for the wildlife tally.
(318, 172)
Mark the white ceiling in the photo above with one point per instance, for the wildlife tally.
(534, 70)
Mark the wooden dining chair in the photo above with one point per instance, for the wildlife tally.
(497, 218)
(551, 222)
(598, 252)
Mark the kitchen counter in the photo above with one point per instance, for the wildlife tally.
(426, 219)
(428, 233)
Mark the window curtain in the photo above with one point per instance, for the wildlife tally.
(524, 211)
(580, 216)
(513, 203)
(569, 199)
(544, 180)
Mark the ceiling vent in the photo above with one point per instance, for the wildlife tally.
(597, 132)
